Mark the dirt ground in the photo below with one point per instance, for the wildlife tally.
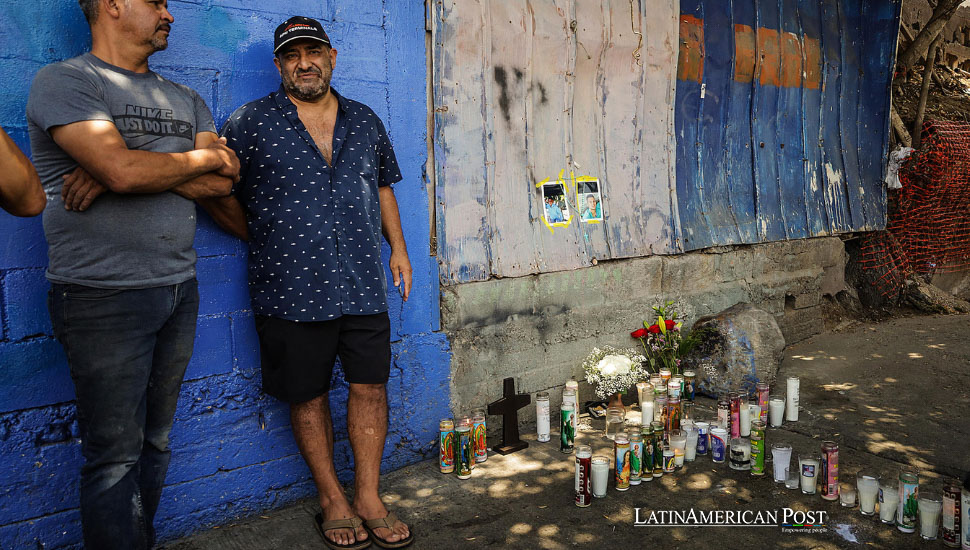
(893, 393)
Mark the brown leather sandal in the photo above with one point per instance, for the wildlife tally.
(343, 523)
(386, 522)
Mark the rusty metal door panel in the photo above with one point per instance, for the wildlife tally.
(798, 131)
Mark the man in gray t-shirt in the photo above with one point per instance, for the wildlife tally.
(122, 154)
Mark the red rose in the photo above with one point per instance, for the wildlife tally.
(670, 324)
(654, 329)
(639, 333)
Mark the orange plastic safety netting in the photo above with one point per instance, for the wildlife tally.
(928, 231)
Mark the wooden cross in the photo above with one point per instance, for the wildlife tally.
(508, 406)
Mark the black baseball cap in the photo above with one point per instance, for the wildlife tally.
(296, 28)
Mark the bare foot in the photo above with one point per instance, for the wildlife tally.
(338, 508)
(369, 508)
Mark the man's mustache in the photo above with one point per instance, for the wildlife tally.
(301, 72)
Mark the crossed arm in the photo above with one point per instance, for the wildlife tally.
(21, 193)
(106, 164)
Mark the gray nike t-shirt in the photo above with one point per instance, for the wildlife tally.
(120, 241)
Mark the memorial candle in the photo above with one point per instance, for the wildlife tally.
(776, 410)
(868, 485)
(929, 516)
(601, 475)
(745, 417)
(808, 471)
(791, 406)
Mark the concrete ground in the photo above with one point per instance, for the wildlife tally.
(893, 393)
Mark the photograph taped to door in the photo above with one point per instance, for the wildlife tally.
(589, 202)
(554, 206)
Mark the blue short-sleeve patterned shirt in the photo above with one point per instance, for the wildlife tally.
(315, 229)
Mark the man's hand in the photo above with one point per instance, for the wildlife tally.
(80, 190)
(230, 163)
(401, 271)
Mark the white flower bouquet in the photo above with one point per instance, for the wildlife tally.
(612, 370)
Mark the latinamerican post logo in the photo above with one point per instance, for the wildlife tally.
(789, 520)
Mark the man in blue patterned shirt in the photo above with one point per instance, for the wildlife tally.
(314, 198)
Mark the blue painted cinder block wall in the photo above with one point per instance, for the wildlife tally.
(233, 453)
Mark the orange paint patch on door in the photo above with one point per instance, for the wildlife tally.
(768, 57)
(690, 63)
(812, 64)
(744, 50)
(791, 60)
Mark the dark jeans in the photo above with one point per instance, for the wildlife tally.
(127, 350)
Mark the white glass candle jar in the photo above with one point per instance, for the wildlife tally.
(847, 495)
(574, 386)
(780, 461)
(929, 516)
(888, 500)
(745, 417)
(808, 472)
(690, 452)
(542, 416)
(678, 442)
(646, 411)
(868, 486)
(601, 475)
(776, 410)
(791, 403)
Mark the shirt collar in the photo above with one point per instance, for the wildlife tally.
(285, 103)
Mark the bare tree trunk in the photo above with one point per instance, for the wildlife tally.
(925, 89)
(942, 13)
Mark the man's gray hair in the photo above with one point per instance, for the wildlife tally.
(90, 9)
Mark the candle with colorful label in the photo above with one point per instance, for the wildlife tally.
(646, 466)
(567, 434)
(908, 508)
(466, 451)
(965, 513)
(478, 435)
(734, 398)
(703, 437)
(636, 457)
(658, 451)
(950, 532)
(758, 448)
(829, 473)
(808, 472)
(446, 445)
(584, 472)
(690, 384)
(621, 447)
(762, 389)
(719, 437)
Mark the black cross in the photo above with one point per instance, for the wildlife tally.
(508, 406)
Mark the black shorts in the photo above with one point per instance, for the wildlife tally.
(298, 357)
